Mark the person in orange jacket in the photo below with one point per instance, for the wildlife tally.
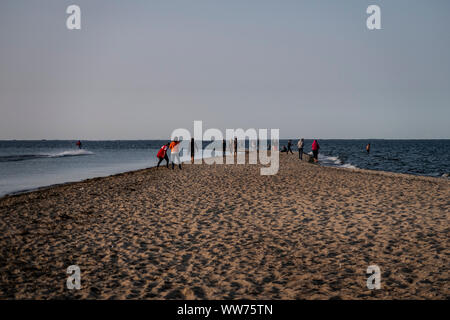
(175, 152)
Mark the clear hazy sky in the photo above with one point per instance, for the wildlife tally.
(139, 69)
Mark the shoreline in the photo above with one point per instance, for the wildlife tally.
(56, 185)
(41, 188)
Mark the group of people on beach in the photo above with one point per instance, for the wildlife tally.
(174, 147)
(301, 145)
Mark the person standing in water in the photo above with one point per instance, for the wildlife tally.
(162, 155)
(368, 148)
(315, 149)
(78, 144)
(300, 145)
(175, 153)
(289, 147)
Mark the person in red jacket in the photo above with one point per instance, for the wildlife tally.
(315, 149)
(162, 155)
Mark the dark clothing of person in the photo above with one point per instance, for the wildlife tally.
(192, 147)
(224, 147)
(316, 154)
(300, 153)
(165, 158)
(289, 145)
(235, 145)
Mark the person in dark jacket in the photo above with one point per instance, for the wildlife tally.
(193, 149)
(289, 147)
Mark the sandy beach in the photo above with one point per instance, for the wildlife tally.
(226, 232)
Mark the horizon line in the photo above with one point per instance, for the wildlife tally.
(159, 139)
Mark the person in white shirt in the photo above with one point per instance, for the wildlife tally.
(300, 145)
(175, 152)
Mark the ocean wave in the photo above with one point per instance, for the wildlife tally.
(335, 160)
(348, 166)
(24, 157)
(331, 161)
(70, 153)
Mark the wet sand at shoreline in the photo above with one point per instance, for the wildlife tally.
(226, 232)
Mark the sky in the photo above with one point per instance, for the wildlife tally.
(140, 69)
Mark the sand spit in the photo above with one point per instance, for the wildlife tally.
(226, 232)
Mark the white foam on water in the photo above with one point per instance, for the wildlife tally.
(348, 166)
(334, 162)
(69, 153)
(329, 160)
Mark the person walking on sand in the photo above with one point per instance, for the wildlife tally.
(235, 146)
(194, 149)
(368, 148)
(162, 155)
(289, 147)
(315, 149)
(175, 152)
(300, 145)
